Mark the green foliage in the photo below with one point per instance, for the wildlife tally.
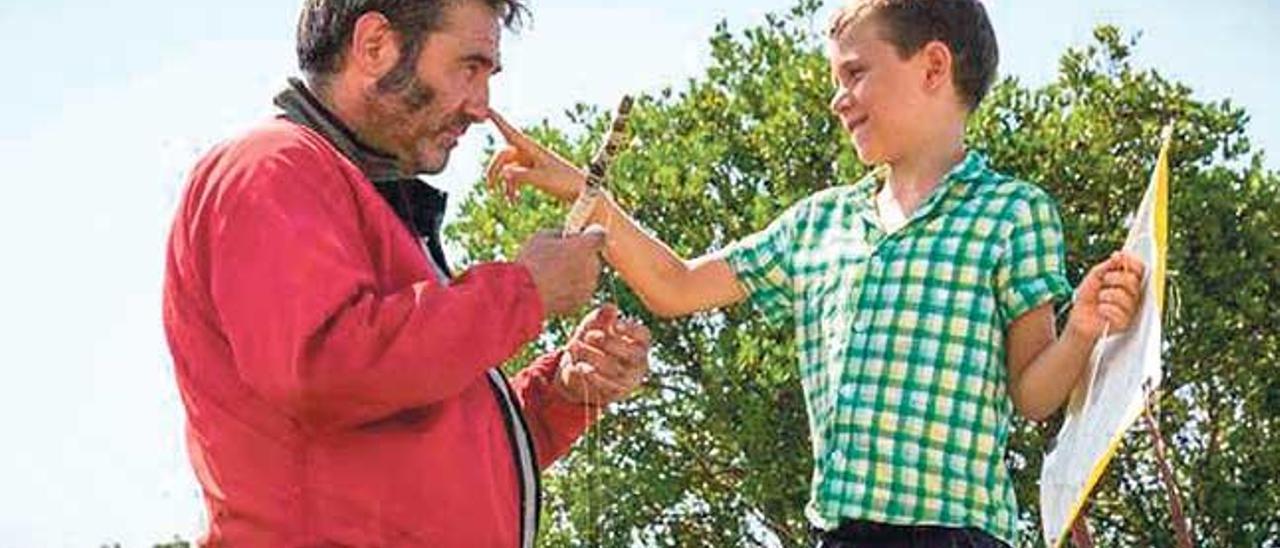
(715, 451)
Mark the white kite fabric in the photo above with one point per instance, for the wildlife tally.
(1121, 372)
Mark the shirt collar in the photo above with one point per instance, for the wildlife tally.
(971, 170)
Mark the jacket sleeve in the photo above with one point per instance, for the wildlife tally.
(294, 286)
(554, 422)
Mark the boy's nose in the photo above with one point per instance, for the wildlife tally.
(840, 101)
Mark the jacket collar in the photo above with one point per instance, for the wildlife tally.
(419, 206)
(302, 107)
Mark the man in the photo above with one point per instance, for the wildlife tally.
(340, 384)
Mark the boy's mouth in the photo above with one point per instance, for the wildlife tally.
(853, 124)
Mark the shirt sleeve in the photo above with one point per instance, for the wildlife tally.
(1031, 271)
(762, 263)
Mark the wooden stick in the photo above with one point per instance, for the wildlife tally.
(1080, 535)
(598, 169)
(1166, 474)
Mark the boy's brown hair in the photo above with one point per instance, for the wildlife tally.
(962, 25)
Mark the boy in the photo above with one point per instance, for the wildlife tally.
(922, 295)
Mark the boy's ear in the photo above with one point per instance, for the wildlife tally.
(936, 58)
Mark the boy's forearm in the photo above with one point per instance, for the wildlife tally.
(1048, 380)
(668, 285)
(649, 267)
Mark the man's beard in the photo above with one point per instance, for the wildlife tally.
(394, 107)
(402, 81)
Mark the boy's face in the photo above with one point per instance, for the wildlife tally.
(880, 97)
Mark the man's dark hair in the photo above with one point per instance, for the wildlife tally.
(325, 28)
(910, 24)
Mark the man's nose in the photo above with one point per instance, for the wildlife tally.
(477, 105)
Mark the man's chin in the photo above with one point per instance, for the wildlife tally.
(433, 164)
(431, 170)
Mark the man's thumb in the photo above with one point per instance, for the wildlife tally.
(606, 315)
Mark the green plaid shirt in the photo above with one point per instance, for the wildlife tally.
(901, 340)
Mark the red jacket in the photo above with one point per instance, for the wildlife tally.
(337, 392)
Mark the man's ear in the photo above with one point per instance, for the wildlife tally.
(936, 59)
(374, 47)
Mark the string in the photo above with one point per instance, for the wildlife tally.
(592, 462)
(579, 213)
(608, 294)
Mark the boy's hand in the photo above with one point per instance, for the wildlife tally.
(1108, 295)
(524, 161)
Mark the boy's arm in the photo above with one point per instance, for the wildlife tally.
(668, 285)
(1043, 368)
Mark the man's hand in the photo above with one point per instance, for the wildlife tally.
(1108, 295)
(606, 359)
(565, 269)
(524, 161)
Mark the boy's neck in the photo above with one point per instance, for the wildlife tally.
(913, 176)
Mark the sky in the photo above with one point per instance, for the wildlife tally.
(108, 104)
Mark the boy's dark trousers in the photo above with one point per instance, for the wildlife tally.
(868, 534)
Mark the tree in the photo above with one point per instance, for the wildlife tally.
(715, 450)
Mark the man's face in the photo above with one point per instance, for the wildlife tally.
(879, 98)
(421, 118)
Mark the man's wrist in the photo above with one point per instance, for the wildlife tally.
(559, 386)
